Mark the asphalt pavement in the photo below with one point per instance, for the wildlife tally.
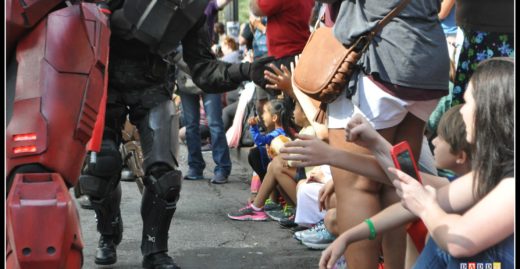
(201, 235)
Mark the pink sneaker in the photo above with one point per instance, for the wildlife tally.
(248, 213)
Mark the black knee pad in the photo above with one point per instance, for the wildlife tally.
(102, 171)
(106, 163)
(97, 187)
(165, 184)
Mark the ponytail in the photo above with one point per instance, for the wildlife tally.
(279, 108)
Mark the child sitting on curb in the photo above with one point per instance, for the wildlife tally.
(279, 173)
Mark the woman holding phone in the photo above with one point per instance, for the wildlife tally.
(470, 219)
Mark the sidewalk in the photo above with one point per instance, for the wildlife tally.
(201, 235)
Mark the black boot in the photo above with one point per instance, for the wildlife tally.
(106, 251)
(110, 225)
(159, 261)
(157, 213)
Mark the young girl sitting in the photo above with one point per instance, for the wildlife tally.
(275, 118)
(279, 173)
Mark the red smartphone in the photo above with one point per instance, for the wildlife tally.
(404, 161)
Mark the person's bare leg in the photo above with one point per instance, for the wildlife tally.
(269, 183)
(274, 196)
(394, 242)
(330, 222)
(411, 129)
(285, 180)
(266, 188)
(357, 199)
(330, 203)
(286, 197)
(284, 177)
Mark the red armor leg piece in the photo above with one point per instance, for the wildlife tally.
(42, 224)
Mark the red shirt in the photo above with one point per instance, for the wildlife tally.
(287, 25)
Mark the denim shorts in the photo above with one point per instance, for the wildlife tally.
(433, 257)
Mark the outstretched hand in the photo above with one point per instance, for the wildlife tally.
(307, 151)
(333, 252)
(280, 79)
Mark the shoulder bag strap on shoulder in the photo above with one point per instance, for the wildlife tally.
(389, 17)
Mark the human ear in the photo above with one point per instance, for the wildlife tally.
(275, 118)
(462, 157)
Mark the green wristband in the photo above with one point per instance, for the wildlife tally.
(372, 229)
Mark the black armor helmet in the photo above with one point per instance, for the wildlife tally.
(161, 24)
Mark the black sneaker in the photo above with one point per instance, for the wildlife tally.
(106, 251)
(288, 222)
(159, 261)
(298, 228)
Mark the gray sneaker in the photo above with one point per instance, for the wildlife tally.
(270, 205)
(278, 215)
(219, 179)
(301, 234)
(320, 239)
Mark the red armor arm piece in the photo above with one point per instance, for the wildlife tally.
(42, 224)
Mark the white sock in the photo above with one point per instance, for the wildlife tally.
(256, 208)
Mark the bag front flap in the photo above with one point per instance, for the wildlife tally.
(319, 61)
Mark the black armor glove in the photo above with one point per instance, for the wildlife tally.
(257, 70)
(251, 71)
(240, 72)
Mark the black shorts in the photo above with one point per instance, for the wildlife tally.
(300, 174)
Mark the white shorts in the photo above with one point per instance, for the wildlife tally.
(379, 107)
(307, 204)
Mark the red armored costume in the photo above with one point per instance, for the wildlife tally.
(57, 56)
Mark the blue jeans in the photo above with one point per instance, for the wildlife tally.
(434, 257)
(220, 150)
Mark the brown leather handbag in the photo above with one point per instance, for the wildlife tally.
(326, 65)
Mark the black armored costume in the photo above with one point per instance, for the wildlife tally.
(145, 34)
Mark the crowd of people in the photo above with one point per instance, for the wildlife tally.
(440, 76)
(449, 80)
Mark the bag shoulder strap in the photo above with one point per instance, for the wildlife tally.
(383, 22)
